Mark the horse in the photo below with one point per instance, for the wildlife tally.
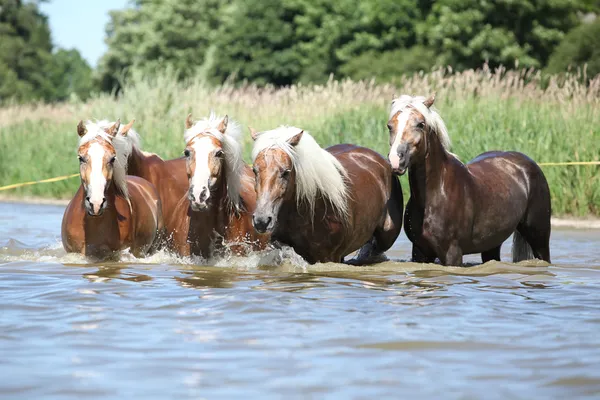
(325, 203)
(110, 211)
(168, 176)
(457, 208)
(215, 214)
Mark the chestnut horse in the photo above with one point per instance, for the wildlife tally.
(328, 203)
(457, 209)
(111, 211)
(216, 212)
(169, 177)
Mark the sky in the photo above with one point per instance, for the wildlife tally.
(80, 24)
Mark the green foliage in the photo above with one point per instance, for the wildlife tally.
(158, 34)
(28, 69)
(389, 66)
(25, 49)
(467, 33)
(580, 47)
(70, 75)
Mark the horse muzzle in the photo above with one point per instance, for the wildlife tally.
(94, 209)
(399, 159)
(263, 224)
(200, 202)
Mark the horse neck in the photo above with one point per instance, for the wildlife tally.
(426, 178)
(137, 164)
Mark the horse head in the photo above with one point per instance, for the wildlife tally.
(213, 156)
(275, 182)
(97, 157)
(408, 125)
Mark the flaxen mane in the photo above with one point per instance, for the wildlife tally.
(318, 172)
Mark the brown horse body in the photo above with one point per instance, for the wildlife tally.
(110, 211)
(321, 233)
(458, 209)
(119, 227)
(215, 215)
(169, 178)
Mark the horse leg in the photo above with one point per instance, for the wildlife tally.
(387, 231)
(535, 226)
(452, 256)
(421, 256)
(491, 254)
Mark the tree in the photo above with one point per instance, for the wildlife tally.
(159, 34)
(580, 47)
(70, 75)
(25, 51)
(466, 33)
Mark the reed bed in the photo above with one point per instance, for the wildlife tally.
(552, 119)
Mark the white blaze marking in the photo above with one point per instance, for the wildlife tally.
(402, 119)
(97, 180)
(203, 147)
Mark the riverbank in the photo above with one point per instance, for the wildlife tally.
(557, 222)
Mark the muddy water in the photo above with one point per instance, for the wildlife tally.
(242, 328)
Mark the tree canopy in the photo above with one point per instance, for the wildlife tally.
(29, 70)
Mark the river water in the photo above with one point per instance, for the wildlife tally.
(242, 328)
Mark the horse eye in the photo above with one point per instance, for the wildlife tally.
(285, 173)
(255, 170)
(186, 153)
(219, 154)
(421, 125)
(112, 160)
(81, 160)
(390, 127)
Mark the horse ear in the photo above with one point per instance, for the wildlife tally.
(81, 129)
(188, 122)
(429, 102)
(294, 140)
(127, 127)
(253, 133)
(223, 125)
(112, 131)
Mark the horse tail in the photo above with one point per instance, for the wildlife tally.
(521, 250)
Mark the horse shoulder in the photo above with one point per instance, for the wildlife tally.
(72, 228)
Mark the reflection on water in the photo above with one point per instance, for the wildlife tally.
(169, 328)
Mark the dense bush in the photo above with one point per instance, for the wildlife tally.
(580, 47)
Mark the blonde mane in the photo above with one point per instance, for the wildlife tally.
(317, 170)
(123, 147)
(432, 118)
(232, 151)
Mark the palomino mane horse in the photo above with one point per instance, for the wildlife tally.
(168, 176)
(216, 211)
(325, 203)
(110, 211)
(457, 208)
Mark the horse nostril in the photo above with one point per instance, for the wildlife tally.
(87, 198)
(203, 194)
(269, 221)
(103, 201)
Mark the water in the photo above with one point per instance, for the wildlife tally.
(166, 328)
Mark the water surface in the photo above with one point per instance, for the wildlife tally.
(242, 328)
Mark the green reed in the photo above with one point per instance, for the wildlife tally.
(484, 110)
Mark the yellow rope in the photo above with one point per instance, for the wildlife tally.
(65, 177)
(57, 179)
(552, 164)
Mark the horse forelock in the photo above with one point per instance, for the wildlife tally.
(232, 151)
(317, 170)
(432, 117)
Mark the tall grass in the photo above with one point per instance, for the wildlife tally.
(483, 109)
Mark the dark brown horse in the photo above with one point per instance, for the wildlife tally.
(328, 203)
(215, 214)
(110, 211)
(457, 209)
